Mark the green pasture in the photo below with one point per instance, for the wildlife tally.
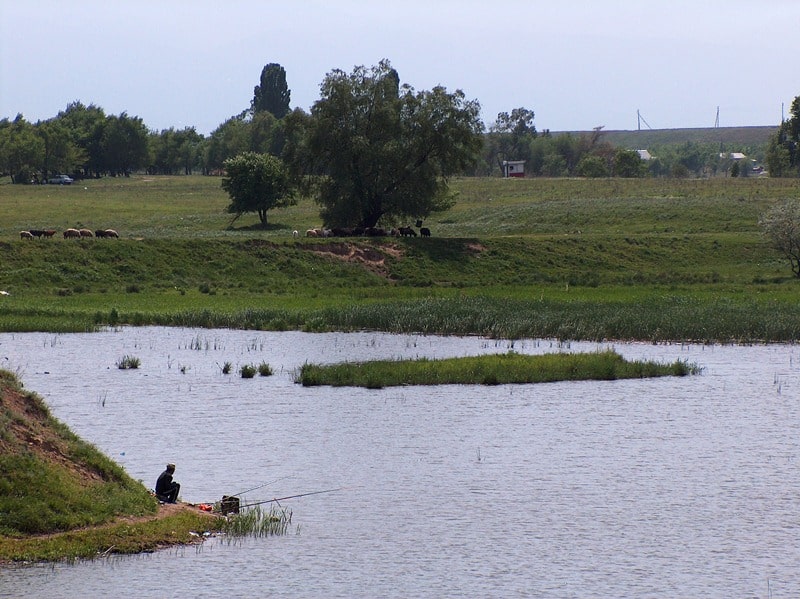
(576, 258)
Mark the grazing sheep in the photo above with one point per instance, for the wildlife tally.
(25, 235)
(425, 232)
(311, 233)
(106, 233)
(72, 234)
(295, 234)
(85, 233)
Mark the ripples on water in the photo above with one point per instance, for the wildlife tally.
(661, 487)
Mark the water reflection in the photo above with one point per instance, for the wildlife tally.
(660, 487)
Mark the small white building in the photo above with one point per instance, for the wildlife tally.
(644, 154)
(513, 168)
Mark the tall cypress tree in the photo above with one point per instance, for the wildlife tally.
(273, 94)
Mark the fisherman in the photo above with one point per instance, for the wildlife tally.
(167, 490)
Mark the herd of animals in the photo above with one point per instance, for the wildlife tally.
(334, 232)
(365, 232)
(68, 233)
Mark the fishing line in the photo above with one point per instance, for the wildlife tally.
(290, 497)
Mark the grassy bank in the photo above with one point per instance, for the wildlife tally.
(125, 537)
(61, 498)
(570, 258)
(510, 368)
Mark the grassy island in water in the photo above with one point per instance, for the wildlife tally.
(488, 370)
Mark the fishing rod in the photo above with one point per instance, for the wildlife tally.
(291, 497)
(260, 486)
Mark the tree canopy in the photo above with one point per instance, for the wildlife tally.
(257, 183)
(273, 94)
(783, 154)
(384, 152)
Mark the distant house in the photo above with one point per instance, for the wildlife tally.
(732, 155)
(644, 154)
(513, 168)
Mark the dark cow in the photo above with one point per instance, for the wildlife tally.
(425, 232)
(49, 233)
(407, 232)
(106, 233)
(36, 232)
(85, 233)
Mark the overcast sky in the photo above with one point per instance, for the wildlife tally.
(577, 64)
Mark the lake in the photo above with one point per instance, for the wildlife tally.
(648, 488)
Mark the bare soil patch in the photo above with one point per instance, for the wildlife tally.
(372, 258)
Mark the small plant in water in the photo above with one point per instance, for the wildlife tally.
(226, 368)
(265, 369)
(255, 522)
(248, 371)
(128, 362)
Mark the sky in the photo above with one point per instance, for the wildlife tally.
(578, 64)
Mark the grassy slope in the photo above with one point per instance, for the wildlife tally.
(581, 258)
(52, 482)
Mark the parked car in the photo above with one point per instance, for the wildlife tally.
(60, 180)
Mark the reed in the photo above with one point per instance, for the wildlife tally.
(128, 362)
(495, 369)
(265, 369)
(258, 522)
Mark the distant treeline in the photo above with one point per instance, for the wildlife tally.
(83, 141)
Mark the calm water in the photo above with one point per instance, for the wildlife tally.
(652, 488)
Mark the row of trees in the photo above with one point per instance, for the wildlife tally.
(84, 141)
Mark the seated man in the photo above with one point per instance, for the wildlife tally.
(166, 489)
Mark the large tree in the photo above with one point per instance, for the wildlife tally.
(21, 150)
(257, 183)
(273, 94)
(511, 135)
(385, 151)
(781, 225)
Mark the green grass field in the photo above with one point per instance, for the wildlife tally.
(573, 258)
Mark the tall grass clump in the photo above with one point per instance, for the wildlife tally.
(265, 369)
(488, 370)
(247, 371)
(258, 522)
(128, 362)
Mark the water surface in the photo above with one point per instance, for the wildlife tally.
(649, 488)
